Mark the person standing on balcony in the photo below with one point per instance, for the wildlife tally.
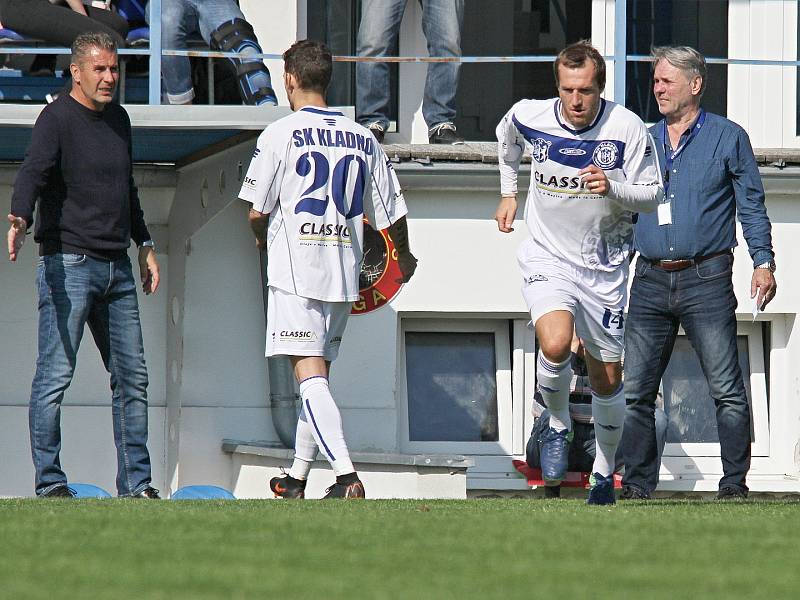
(683, 275)
(79, 169)
(377, 36)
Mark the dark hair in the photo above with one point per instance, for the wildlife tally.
(311, 64)
(575, 56)
(83, 44)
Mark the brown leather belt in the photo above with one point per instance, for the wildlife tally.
(684, 263)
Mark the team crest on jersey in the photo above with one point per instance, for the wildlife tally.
(605, 155)
(541, 148)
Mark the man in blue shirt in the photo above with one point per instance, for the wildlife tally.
(684, 271)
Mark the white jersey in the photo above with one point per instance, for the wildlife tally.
(586, 229)
(312, 171)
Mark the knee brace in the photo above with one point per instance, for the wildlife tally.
(237, 35)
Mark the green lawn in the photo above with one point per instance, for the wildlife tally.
(487, 548)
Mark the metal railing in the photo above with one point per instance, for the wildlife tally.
(618, 60)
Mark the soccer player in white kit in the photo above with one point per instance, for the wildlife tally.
(593, 167)
(307, 182)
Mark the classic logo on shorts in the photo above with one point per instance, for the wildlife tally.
(377, 282)
(541, 148)
(605, 155)
(297, 336)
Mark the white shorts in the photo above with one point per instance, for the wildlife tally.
(596, 299)
(298, 326)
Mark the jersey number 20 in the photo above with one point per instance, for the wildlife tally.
(338, 189)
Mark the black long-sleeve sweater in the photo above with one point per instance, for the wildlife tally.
(79, 167)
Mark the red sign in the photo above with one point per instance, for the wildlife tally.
(377, 282)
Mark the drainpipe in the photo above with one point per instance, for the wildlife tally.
(283, 400)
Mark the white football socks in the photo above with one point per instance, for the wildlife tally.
(325, 423)
(608, 413)
(554, 381)
(305, 449)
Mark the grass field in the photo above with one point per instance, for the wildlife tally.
(398, 549)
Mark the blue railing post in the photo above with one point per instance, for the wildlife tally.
(620, 49)
(154, 83)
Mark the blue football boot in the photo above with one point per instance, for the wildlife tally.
(601, 489)
(553, 455)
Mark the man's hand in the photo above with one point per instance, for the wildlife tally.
(763, 284)
(505, 213)
(148, 269)
(408, 264)
(16, 236)
(595, 180)
(258, 223)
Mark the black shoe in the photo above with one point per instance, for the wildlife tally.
(444, 133)
(60, 491)
(286, 486)
(150, 493)
(377, 130)
(345, 490)
(632, 492)
(731, 492)
(552, 491)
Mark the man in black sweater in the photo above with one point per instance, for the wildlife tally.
(79, 168)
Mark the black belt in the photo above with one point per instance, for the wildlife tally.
(683, 263)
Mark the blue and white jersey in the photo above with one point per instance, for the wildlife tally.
(584, 228)
(311, 171)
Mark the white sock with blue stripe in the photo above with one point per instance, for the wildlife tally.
(305, 449)
(326, 423)
(608, 413)
(554, 380)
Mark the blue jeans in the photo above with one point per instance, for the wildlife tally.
(179, 20)
(75, 290)
(700, 299)
(377, 36)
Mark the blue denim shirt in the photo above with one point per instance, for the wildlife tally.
(714, 179)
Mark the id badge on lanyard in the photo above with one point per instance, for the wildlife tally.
(665, 208)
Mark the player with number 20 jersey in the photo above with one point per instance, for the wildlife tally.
(313, 177)
(312, 171)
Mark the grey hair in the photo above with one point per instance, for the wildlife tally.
(83, 44)
(685, 58)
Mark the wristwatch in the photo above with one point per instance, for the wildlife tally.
(768, 265)
(148, 244)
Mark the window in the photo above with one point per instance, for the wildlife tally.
(692, 427)
(512, 28)
(702, 24)
(452, 395)
(456, 381)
